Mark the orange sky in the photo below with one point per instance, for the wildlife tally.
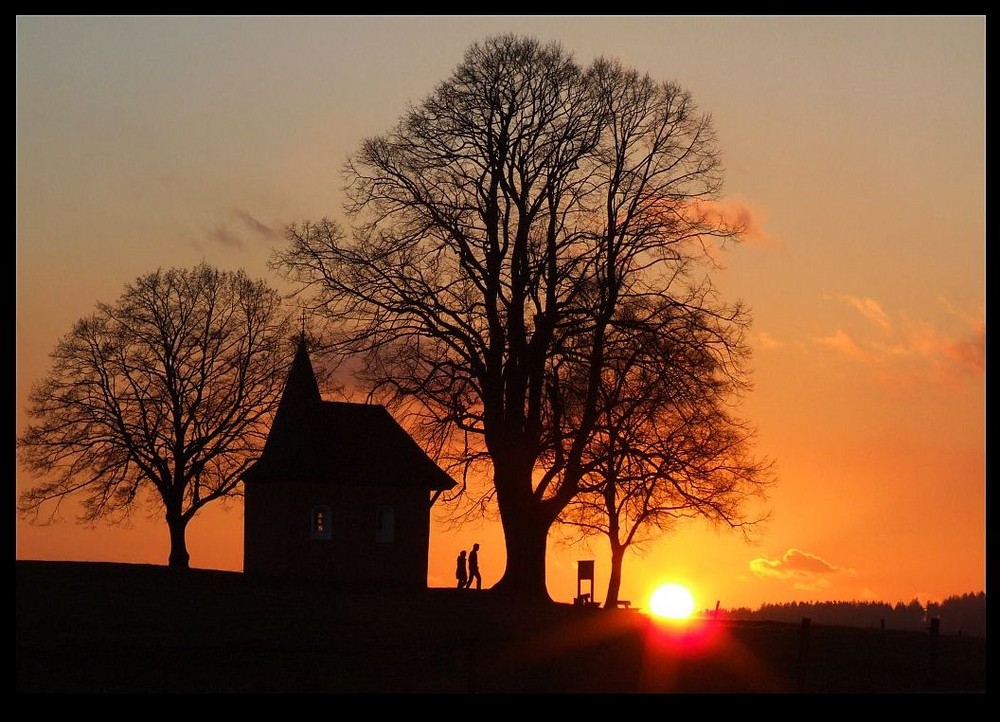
(855, 147)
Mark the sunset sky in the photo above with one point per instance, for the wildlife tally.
(856, 145)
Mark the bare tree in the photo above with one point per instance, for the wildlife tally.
(668, 445)
(499, 227)
(165, 394)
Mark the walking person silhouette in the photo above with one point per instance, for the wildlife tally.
(474, 568)
(460, 574)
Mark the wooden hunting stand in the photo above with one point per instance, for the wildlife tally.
(584, 573)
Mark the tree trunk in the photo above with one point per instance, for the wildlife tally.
(524, 537)
(526, 524)
(615, 580)
(179, 557)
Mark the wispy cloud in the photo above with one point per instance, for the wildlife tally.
(256, 226)
(841, 342)
(767, 341)
(222, 235)
(738, 213)
(728, 215)
(806, 571)
(923, 340)
(867, 307)
(969, 350)
(920, 344)
(240, 226)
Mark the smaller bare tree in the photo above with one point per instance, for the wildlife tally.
(668, 445)
(164, 395)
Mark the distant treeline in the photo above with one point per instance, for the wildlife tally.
(965, 614)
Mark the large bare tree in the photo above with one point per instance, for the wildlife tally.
(164, 395)
(499, 228)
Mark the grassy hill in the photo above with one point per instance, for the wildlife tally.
(89, 627)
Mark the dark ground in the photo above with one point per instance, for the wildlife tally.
(87, 627)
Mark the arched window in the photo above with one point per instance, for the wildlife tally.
(319, 525)
(385, 525)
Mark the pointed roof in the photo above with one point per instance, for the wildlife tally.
(339, 443)
(301, 390)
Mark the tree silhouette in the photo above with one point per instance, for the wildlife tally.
(965, 614)
(500, 227)
(667, 445)
(164, 395)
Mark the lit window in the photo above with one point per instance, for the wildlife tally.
(385, 525)
(320, 523)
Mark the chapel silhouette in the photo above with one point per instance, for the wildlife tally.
(340, 492)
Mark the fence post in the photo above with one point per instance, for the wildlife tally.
(935, 629)
(803, 652)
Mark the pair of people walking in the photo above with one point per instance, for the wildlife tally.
(466, 577)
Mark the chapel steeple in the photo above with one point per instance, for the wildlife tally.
(301, 389)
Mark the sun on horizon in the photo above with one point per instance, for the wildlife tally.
(672, 601)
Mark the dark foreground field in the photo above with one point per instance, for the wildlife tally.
(131, 628)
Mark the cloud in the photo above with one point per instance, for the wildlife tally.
(245, 223)
(730, 215)
(867, 307)
(738, 213)
(966, 351)
(814, 584)
(970, 351)
(223, 236)
(805, 571)
(793, 564)
(767, 341)
(255, 225)
(970, 318)
(841, 342)
(913, 347)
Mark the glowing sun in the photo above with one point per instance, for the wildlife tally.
(672, 601)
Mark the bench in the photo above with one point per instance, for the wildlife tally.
(623, 604)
